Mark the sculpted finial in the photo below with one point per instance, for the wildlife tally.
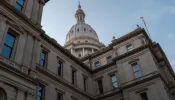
(79, 6)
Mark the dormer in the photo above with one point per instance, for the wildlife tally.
(33, 9)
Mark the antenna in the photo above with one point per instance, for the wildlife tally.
(146, 27)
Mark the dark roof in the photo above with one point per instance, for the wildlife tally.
(46, 1)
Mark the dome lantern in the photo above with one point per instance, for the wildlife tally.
(80, 15)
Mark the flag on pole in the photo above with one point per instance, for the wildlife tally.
(145, 26)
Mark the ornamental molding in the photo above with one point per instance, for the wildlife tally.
(16, 26)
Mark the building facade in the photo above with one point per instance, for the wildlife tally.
(33, 66)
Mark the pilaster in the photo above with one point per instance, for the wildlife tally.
(83, 51)
(35, 10)
(3, 28)
(41, 4)
(27, 58)
(20, 95)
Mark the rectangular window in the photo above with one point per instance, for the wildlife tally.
(60, 96)
(109, 59)
(114, 81)
(85, 83)
(144, 96)
(100, 86)
(73, 76)
(40, 93)
(60, 68)
(97, 64)
(43, 58)
(20, 4)
(136, 70)
(129, 47)
(8, 45)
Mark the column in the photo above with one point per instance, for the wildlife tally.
(71, 50)
(92, 50)
(41, 4)
(35, 11)
(35, 57)
(35, 53)
(28, 51)
(83, 51)
(29, 6)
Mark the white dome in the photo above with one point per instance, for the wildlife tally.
(81, 30)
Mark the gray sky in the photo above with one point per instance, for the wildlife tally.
(114, 18)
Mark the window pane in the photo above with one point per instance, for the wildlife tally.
(144, 96)
(129, 47)
(113, 77)
(43, 56)
(38, 98)
(6, 51)
(138, 74)
(85, 83)
(97, 64)
(135, 67)
(39, 91)
(100, 86)
(19, 7)
(9, 40)
(59, 96)
(73, 76)
(20, 2)
(59, 68)
(115, 85)
(42, 62)
(109, 59)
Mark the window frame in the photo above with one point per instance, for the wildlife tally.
(14, 33)
(8, 46)
(139, 69)
(43, 92)
(46, 58)
(128, 46)
(61, 70)
(59, 94)
(100, 88)
(96, 63)
(85, 83)
(23, 6)
(114, 74)
(74, 76)
(142, 95)
(108, 58)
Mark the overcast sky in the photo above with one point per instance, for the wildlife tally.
(114, 18)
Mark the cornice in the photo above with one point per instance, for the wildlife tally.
(76, 44)
(104, 67)
(17, 72)
(68, 43)
(165, 59)
(127, 36)
(97, 53)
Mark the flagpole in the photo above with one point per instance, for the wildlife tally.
(146, 27)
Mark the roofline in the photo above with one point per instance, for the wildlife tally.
(117, 41)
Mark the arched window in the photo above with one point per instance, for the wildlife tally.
(2, 94)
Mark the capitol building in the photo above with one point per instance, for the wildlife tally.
(34, 66)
